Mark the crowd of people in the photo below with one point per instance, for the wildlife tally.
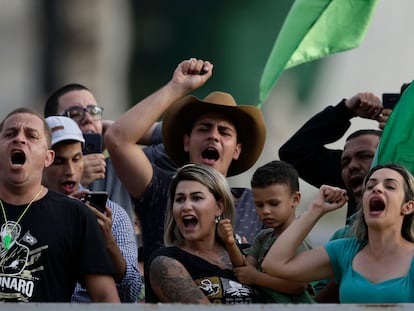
(171, 229)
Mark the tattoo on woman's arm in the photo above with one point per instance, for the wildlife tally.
(172, 282)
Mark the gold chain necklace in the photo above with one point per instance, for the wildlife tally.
(6, 239)
(215, 260)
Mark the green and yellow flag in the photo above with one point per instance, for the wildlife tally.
(314, 29)
(397, 139)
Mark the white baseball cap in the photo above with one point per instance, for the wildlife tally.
(64, 128)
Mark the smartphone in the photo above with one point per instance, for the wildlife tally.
(389, 100)
(93, 143)
(97, 199)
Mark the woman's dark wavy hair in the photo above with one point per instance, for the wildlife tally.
(360, 228)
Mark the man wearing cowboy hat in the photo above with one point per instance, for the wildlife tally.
(214, 131)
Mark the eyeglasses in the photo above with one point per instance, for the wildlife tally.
(77, 113)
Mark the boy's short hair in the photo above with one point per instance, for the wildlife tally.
(276, 172)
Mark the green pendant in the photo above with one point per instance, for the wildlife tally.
(6, 241)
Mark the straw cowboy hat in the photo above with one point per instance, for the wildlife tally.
(248, 120)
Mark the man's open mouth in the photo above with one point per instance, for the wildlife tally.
(69, 186)
(356, 183)
(18, 157)
(210, 154)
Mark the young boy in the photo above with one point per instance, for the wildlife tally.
(275, 188)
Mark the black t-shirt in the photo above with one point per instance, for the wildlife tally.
(219, 286)
(58, 242)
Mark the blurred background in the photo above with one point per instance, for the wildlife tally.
(124, 50)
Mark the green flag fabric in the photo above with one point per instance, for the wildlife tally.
(314, 29)
(397, 139)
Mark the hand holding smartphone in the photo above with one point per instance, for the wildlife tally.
(389, 100)
(93, 143)
(96, 199)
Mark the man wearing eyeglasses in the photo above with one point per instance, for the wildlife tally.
(78, 103)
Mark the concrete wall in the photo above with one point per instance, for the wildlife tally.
(181, 307)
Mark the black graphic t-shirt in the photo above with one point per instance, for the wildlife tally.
(52, 247)
(220, 286)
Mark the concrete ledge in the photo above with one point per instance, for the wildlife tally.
(188, 307)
